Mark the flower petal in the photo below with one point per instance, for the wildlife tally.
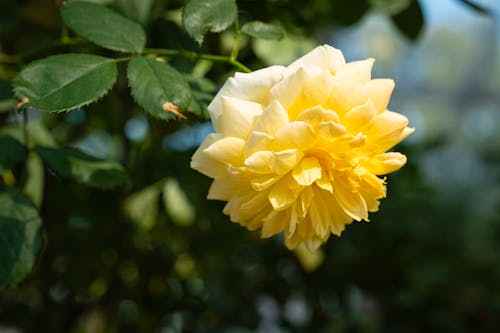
(387, 130)
(360, 117)
(298, 134)
(325, 57)
(379, 91)
(307, 171)
(260, 162)
(253, 87)
(350, 200)
(257, 141)
(238, 116)
(285, 160)
(356, 70)
(386, 163)
(284, 193)
(227, 150)
(272, 119)
(201, 162)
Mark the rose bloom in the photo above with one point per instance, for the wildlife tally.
(299, 149)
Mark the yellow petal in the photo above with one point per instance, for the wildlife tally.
(263, 182)
(201, 162)
(220, 190)
(288, 90)
(238, 116)
(345, 95)
(298, 134)
(356, 70)
(387, 130)
(284, 193)
(360, 117)
(324, 182)
(285, 160)
(260, 162)
(257, 141)
(350, 200)
(317, 114)
(324, 57)
(386, 163)
(379, 91)
(227, 150)
(307, 171)
(274, 223)
(330, 130)
(272, 119)
(253, 87)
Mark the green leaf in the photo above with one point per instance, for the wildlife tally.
(263, 30)
(478, 8)
(103, 26)
(11, 152)
(157, 87)
(199, 16)
(66, 81)
(137, 10)
(390, 7)
(20, 237)
(74, 164)
(410, 21)
(178, 207)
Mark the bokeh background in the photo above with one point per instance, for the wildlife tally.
(156, 256)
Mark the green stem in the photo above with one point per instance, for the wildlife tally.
(236, 46)
(194, 56)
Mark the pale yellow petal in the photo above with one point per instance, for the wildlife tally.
(324, 182)
(298, 134)
(379, 91)
(307, 171)
(289, 89)
(324, 57)
(317, 114)
(201, 162)
(285, 160)
(272, 119)
(350, 200)
(360, 118)
(356, 70)
(227, 150)
(345, 95)
(329, 130)
(238, 116)
(257, 141)
(253, 87)
(387, 130)
(260, 162)
(284, 193)
(220, 190)
(382, 164)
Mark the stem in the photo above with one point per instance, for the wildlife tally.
(236, 46)
(193, 56)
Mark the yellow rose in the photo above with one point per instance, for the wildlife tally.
(298, 149)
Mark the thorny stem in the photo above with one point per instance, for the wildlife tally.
(236, 46)
(194, 56)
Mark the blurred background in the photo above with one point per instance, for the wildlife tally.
(156, 256)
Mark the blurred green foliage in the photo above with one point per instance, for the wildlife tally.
(151, 254)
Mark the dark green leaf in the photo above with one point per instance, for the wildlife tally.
(160, 89)
(64, 82)
(20, 237)
(11, 152)
(390, 7)
(263, 30)
(410, 21)
(199, 16)
(74, 164)
(103, 26)
(5, 90)
(138, 10)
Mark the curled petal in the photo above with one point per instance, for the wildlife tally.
(227, 150)
(386, 163)
(238, 116)
(324, 57)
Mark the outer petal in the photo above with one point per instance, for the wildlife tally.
(238, 116)
(325, 57)
(253, 87)
(379, 91)
(227, 150)
(387, 130)
(205, 164)
(386, 163)
(356, 70)
(360, 117)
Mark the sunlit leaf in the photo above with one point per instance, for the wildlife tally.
(74, 164)
(103, 26)
(20, 237)
(11, 152)
(159, 88)
(200, 16)
(263, 30)
(64, 82)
